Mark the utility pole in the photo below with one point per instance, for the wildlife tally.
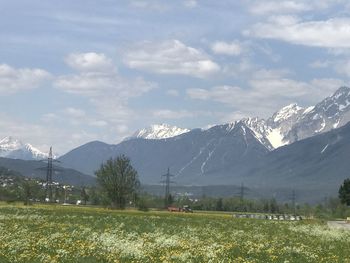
(167, 187)
(241, 194)
(49, 176)
(293, 202)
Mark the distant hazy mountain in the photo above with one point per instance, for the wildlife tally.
(316, 165)
(158, 131)
(37, 169)
(191, 156)
(11, 147)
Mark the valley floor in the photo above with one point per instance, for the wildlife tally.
(45, 233)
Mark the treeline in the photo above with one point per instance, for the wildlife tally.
(31, 191)
(15, 187)
(330, 208)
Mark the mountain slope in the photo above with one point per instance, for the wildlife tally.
(312, 160)
(331, 113)
(230, 155)
(159, 131)
(37, 169)
(194, 157)
(287, 125)
(317, 165)
(293, 123)
(11, 147)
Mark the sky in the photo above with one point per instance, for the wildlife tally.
(77, 71)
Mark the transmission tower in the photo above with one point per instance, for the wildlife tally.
(49, 176)
(293, 202)
(167, 187)
(241, 193)
(49, 172)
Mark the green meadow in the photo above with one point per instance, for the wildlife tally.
(49, 233)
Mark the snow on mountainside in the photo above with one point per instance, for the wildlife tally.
(159, 131)
(13, 148)
(293, 123)
(281, 122)
(287, 113)
(290, 124)
(260, 130)
(271, 132)
(333, 112)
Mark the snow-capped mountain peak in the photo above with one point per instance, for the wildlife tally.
(332, 112)
(37, 154)
(159, 131)
(286, 112)
(10, 143)
(342, 91)
(11, 147)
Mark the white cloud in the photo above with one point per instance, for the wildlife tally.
(89, 62)
(170, 114)
(96, 80)
(98, 123)
(167, 114)
(190, 3)
(331, 33)
(49, 117)
(224, 48)
(155, 5)
(268, 91)
(320, 64)
(14, 80)
(268, 7)
(109, 93)
(43, 136)
(325, 87)
(339, 51)
(173, 92)
(88, 84)
(170, 57)
(258, 7)
(342, 67)
(74, 112)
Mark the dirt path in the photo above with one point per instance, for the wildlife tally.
(339, 225)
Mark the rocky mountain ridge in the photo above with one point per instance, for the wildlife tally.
(11, 147)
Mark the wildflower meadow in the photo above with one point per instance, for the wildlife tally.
(49, 233)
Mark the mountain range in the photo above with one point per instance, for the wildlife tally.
(158, 131)
(11, 147)
(37, 169)
(282, 151)
(297, 148)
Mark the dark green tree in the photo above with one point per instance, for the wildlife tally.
(29, 187)
(219, 205)
(169, 200)
(119, 180)
(344, 192)
(84, 196)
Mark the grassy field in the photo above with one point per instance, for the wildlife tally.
(77, 234)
